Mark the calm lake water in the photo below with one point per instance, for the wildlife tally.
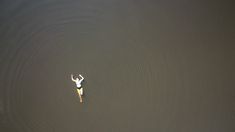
(153, 66)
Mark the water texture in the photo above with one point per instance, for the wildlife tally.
(151, 65)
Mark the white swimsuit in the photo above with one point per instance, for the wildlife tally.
(78, 83)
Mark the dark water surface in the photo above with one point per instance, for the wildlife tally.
(153, 66)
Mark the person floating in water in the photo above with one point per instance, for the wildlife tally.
(79, 85)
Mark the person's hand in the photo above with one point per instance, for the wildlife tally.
(71, 75)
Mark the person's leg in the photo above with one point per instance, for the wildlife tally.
(81, 90)
(79, 94)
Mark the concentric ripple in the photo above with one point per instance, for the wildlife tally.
(148, 66)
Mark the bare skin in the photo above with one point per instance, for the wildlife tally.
(80, 95)
(78, 84)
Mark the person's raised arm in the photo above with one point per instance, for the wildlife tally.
(72, 78)
(81, 77)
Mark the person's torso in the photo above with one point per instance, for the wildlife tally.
(78, 83)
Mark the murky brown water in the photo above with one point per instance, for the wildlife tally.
(154, 66)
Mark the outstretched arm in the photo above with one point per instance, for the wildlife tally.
(72, 78)
(81, 77)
